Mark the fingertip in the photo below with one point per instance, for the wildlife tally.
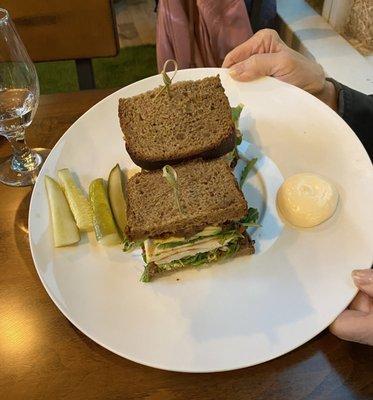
(242, 76)
(233, 73)
(228, 60)
(226, 63)
(363, 278)
(366, 272)
(237, 76)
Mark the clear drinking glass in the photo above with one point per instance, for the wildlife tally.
(19, 96)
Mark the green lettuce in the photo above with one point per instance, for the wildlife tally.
(248, 167)
(238, 141)
(236, 112)
(129, 246)
(251, 218)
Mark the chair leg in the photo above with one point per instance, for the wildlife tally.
(84, 69)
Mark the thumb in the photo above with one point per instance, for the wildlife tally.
(363, 279)
(355, 326)
(254, 67)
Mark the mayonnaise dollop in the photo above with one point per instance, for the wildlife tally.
(307, 200)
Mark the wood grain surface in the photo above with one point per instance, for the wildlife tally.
(43, 356)
(65, 30)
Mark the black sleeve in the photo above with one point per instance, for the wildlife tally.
(357, 110)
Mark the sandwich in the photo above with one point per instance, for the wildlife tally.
(192, 119)
(187, 216)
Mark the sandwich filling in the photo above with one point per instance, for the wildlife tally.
(194, 214)
(211, 244)
(175, 248)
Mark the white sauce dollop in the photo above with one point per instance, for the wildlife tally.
(307, 200)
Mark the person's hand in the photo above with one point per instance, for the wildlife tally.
(356, 323)
(265, 54)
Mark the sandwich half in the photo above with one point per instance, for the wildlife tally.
(201, 219)
(194, 121)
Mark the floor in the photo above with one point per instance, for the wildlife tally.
(136, 21)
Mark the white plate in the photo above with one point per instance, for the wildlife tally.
(231, 315)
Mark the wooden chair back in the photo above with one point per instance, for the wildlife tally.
(55, 30)
(65, 29)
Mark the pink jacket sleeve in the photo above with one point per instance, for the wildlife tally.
(199, 33)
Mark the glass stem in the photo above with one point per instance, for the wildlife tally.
(23, 158)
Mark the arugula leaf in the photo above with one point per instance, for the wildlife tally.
(145, 277)
(251, 218)
(236, 112)
(246, 170)
(238, 137)
(128, 245)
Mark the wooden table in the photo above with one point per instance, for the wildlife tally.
(43, 356)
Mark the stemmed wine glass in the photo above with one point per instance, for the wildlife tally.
(19, 96)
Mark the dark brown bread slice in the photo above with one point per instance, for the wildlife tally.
(209, 195)
(194, 122)
(226, 146)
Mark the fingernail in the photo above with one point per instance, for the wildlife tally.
(235, 70)
(363, 276)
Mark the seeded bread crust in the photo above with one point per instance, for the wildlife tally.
(208, 193)
(194, 122)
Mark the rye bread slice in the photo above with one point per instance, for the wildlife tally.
(194, 122)
(209, 195)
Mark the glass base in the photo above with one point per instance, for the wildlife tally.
(10, 176)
